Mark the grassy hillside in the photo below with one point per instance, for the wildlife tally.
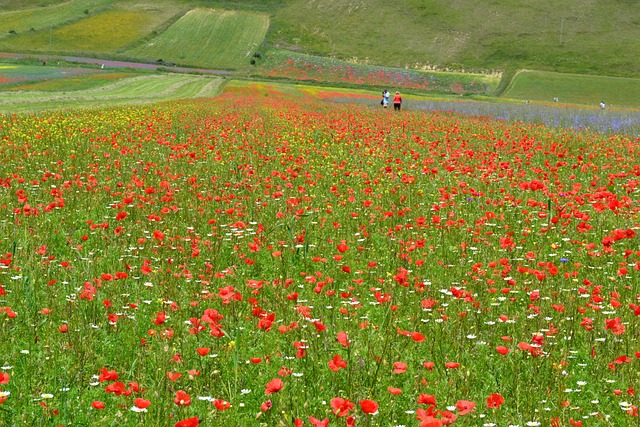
(206, 38)
(590, 36)
(595, 36)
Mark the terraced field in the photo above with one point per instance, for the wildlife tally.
(14, 23)
(208, 38)
(106, 31)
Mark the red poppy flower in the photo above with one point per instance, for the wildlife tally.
(115, 388)
(203, 351)
(106, 375)
(494, 400)
(160, 318)
(341, 407)
(189, 422)
(173, 376)
(336, 363)
(452, 365)
(417, 337)
(141, 403)
(427, 399)
(266, 406)
(134, 386)
(430, 421)
(4, 378)
(502, 350)
(317, 423)
(399, 367)
(524, 346)
(96, 404)
(221, 405)
(274, 386)
(343, 339)
(394, 390)
(182, 398)
(369, 406)
(465, 406)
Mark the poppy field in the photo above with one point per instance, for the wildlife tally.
(271, 258)
(300, 67)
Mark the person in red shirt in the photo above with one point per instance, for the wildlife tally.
(397, 101)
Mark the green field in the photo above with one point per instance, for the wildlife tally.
(575, 89)
(208, 38)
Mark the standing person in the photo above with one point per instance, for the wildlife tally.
(385, 98)
(397, 101)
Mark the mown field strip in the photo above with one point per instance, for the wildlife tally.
(134, 90)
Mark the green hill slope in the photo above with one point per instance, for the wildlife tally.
(206, 38)
(591, 36)
(597, 37)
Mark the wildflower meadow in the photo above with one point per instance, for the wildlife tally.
(271, 259)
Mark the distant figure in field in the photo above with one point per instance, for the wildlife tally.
(555, 99)
(385, 98)
(602, 105)
(397, 101)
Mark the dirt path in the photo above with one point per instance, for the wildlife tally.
(111, 63)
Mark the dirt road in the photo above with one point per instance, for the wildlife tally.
(111, 63)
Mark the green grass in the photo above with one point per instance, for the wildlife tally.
(208, 38)
(575, 89)
(124, 91)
